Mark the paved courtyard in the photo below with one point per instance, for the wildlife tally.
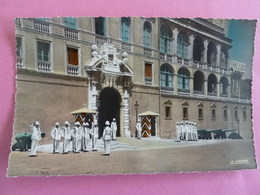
(130, 155)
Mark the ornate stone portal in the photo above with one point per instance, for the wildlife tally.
(106, 69)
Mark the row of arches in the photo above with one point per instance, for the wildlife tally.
(205, 52)
(199, 78)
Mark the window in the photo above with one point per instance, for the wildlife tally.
(225, 115)
(182, 45)
(183, 79)
(100, 26)
(236, 115)
(125, 29)
(213, 114)
(18, 47)
(200, 114)
(165, 40)
(147, 34)
(148, 73)
(185, 115)
(244, 115)
(43, 51)
(166, 76)
(168, 111)
(72, 56)
(70, 22)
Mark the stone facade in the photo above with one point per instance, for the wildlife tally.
(178, 68)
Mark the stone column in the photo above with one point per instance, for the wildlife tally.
(175, 84)
(175, 40)
(190, 48)
(229, 90)
(206, 88)
(205, 52)
(191, 85)
(218, 90)
(218, 57)
(126, 114)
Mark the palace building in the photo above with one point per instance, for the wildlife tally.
(163, 70)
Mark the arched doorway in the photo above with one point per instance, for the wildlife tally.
(109, 108)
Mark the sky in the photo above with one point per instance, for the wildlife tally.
(242, 32)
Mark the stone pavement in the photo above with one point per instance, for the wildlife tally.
(130, 144)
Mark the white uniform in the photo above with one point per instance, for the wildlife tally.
(67, 138)
(178, 131)
(56, 135)
(78, 138)
(86, 137)
(138, 129)
(94, 136)
(114, 128)
(36, 137)
(107, 136)
(182, 129)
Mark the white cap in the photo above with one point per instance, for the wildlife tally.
(37, 123)
(107, 123)
(85, 124)
(57, 124)
(77, 124)
(67, 123)
(114, 119)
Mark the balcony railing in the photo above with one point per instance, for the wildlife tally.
(18, 22)
(126, 46)
(19, 62)
(100, 40)
(44, 66)
(72, 69)
(41, 26)
(71, 33)
(147, 52)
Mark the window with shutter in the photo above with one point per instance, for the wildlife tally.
(148, 73)
(72, 56)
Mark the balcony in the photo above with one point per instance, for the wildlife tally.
(71, 33)
(18, 22)
(44, 66)
(100, 40)
(126, 46)
(41, 26)
(147, 52)
(72, 69)
(19, 62)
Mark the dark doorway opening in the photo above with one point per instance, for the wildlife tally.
(110, 100)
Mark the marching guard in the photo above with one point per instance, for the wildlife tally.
(138, 129)
(94, 136)
(67, 137)
(86, 136)
(107, 136)
(114, 128)
(56, 135)
(36, 137)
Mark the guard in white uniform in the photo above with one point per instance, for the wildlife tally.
(56, 135)
(196, 131)
(94, 136)
(78, 136)
(182, 130)
(36, 137)
(86, 136)
(107, 136)
(138, 129)
(178, 131)
(67, 137)
(114, 128)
